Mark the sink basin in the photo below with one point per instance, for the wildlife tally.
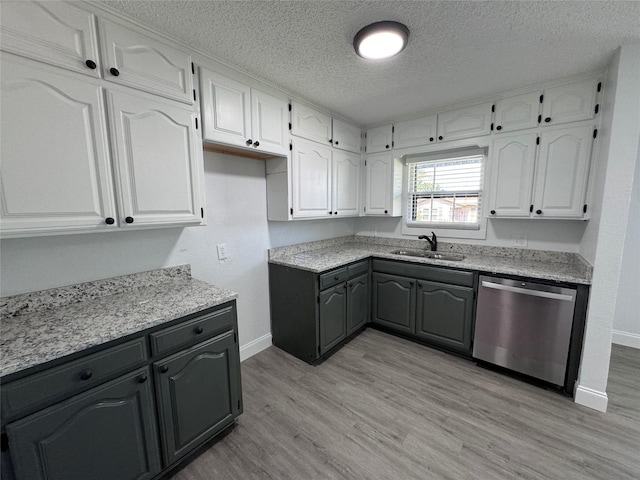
(453, 257)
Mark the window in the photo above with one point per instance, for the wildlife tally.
(445, 190)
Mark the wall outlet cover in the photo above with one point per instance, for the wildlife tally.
(222, 251)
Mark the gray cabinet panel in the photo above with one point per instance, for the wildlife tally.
(394, 302)
(331, 278)
(333, 321)
(358, 301)
(107, 433)
(198, 394)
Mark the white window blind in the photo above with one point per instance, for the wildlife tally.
(446, 190)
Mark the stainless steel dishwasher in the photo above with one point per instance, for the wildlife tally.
(524, 326)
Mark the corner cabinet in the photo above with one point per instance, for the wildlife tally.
(383, 185)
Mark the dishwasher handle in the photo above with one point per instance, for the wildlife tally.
(526, 291)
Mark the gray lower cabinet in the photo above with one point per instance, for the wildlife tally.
(394, 304)
(333, 317)
(358, 301)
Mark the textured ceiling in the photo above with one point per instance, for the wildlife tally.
(458, 50)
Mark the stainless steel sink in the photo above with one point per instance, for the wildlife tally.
(453, 257)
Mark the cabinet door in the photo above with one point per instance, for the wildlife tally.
(139, 61)
(394, 302)
(358, 301)
(58, 33)
(413, 133)
(346, 137)
(56, 170)
(311, 124)
(379, 139)
(383, 185)
(569, 103)
(517, 113)
(512, 167)
(346, 184)
(198, 394)
(269, 123)
(444, 314)
(333, 317)
(157, 160)
(226, 109)
(107, 433)
(311, 179)
(562, 172)
(465, 122)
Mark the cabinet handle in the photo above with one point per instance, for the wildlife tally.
(129, 219)
(493, 212)
(164, 369)
(256, 144)
(440, 137)
(199, 330)
(539, 212)
(249, 142)
(86, 375)
(431, 139)
(547, 120)
(91, 64)
(109, 221)
(499, 127)
(142, 378)
(114, 71)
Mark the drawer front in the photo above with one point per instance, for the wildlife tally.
(425, 272)
(332, 278)
(358, 268)
(192, 331)
(41, 389)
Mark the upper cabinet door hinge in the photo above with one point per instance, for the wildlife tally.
(539, 118)
(289, 125)
(289, 107)
(584, 209)
(202, 212)
(493, 108)
(597, 109)
(194, 94)
(492, 127)
(541, 98)
(393, 129)
(193, 68)
(599, 86)
(291, 210)
(595, 132)
(537, 140)
(290, 146)
(235, 340)
(196, 123)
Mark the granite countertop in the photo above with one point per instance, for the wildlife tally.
(322, 256)
(44, 326)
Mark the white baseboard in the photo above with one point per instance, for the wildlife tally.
(626, 339)
(591, 398)
(255, 346)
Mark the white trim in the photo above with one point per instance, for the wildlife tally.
(255, 346)
(625, 338)
(591, 398)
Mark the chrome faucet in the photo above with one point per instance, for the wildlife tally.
(433, 241)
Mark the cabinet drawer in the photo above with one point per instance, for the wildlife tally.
(332, 278)
(425, 272)
(358, 269)
(41, 389)
(191, 331)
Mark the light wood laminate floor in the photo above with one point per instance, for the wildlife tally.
(386, 408)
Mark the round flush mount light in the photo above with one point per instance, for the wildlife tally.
(381, 40)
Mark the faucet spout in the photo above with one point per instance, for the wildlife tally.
(433, 241)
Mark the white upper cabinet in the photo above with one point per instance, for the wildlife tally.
(379, 139)
(158, 161)
(512, 166)
(345, 200)
(136, 60)
(413, 133)
(58, 33)
(562, 172)
(56, 171)
(383, 185)
(517, 113)
(346, 137)
(309, 123)
(311, 179)
(235, 114)
(569, 103)
(464, 122)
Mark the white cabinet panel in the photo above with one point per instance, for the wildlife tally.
(413, 133)
(269, 115)
(464, 122)
(569, 103)
(379, 139)
(306, 122)
(346, 137)
(346, 184)
(517, 113)
(512, 166)
(383, 185)
(136, 60)
(563, 168)
(157, 160)
(58, 33)
(55, 172)
(311, 179)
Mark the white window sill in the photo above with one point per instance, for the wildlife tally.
(446, 230)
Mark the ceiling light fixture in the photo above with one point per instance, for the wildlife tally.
(381, 40)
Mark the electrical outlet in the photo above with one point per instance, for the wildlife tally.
(222, 251)
(519, 240)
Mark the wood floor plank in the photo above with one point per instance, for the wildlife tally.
(386, 408)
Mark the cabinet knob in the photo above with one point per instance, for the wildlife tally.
(499, 127)
(91, 64)
(411, 284)
(336, 142)
(547, 120)
(493, 212)
(86, 375)
(386, 146)
(539, 212)
(142, 378)
(256, 144)
(431, 139)
(249, 142)
(420, 284)
(199, 330)
(109, 221)
(164, 369)
(336, 277)
(129, 219)
(386, 211)
(114, 71)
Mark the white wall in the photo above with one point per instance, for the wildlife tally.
(236, 215)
